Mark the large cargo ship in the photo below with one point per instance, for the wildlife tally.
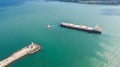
(96, 29)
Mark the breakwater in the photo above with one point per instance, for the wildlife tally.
(30, 49)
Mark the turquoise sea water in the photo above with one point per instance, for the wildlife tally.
(21, 24)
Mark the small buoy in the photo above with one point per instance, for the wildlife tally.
(48, 26)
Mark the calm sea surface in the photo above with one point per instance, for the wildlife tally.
(20, 24)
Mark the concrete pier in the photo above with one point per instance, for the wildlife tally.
(30, 49)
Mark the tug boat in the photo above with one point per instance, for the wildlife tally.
(96, 29)
(48, 26)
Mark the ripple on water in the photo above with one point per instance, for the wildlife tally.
(109, 56)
